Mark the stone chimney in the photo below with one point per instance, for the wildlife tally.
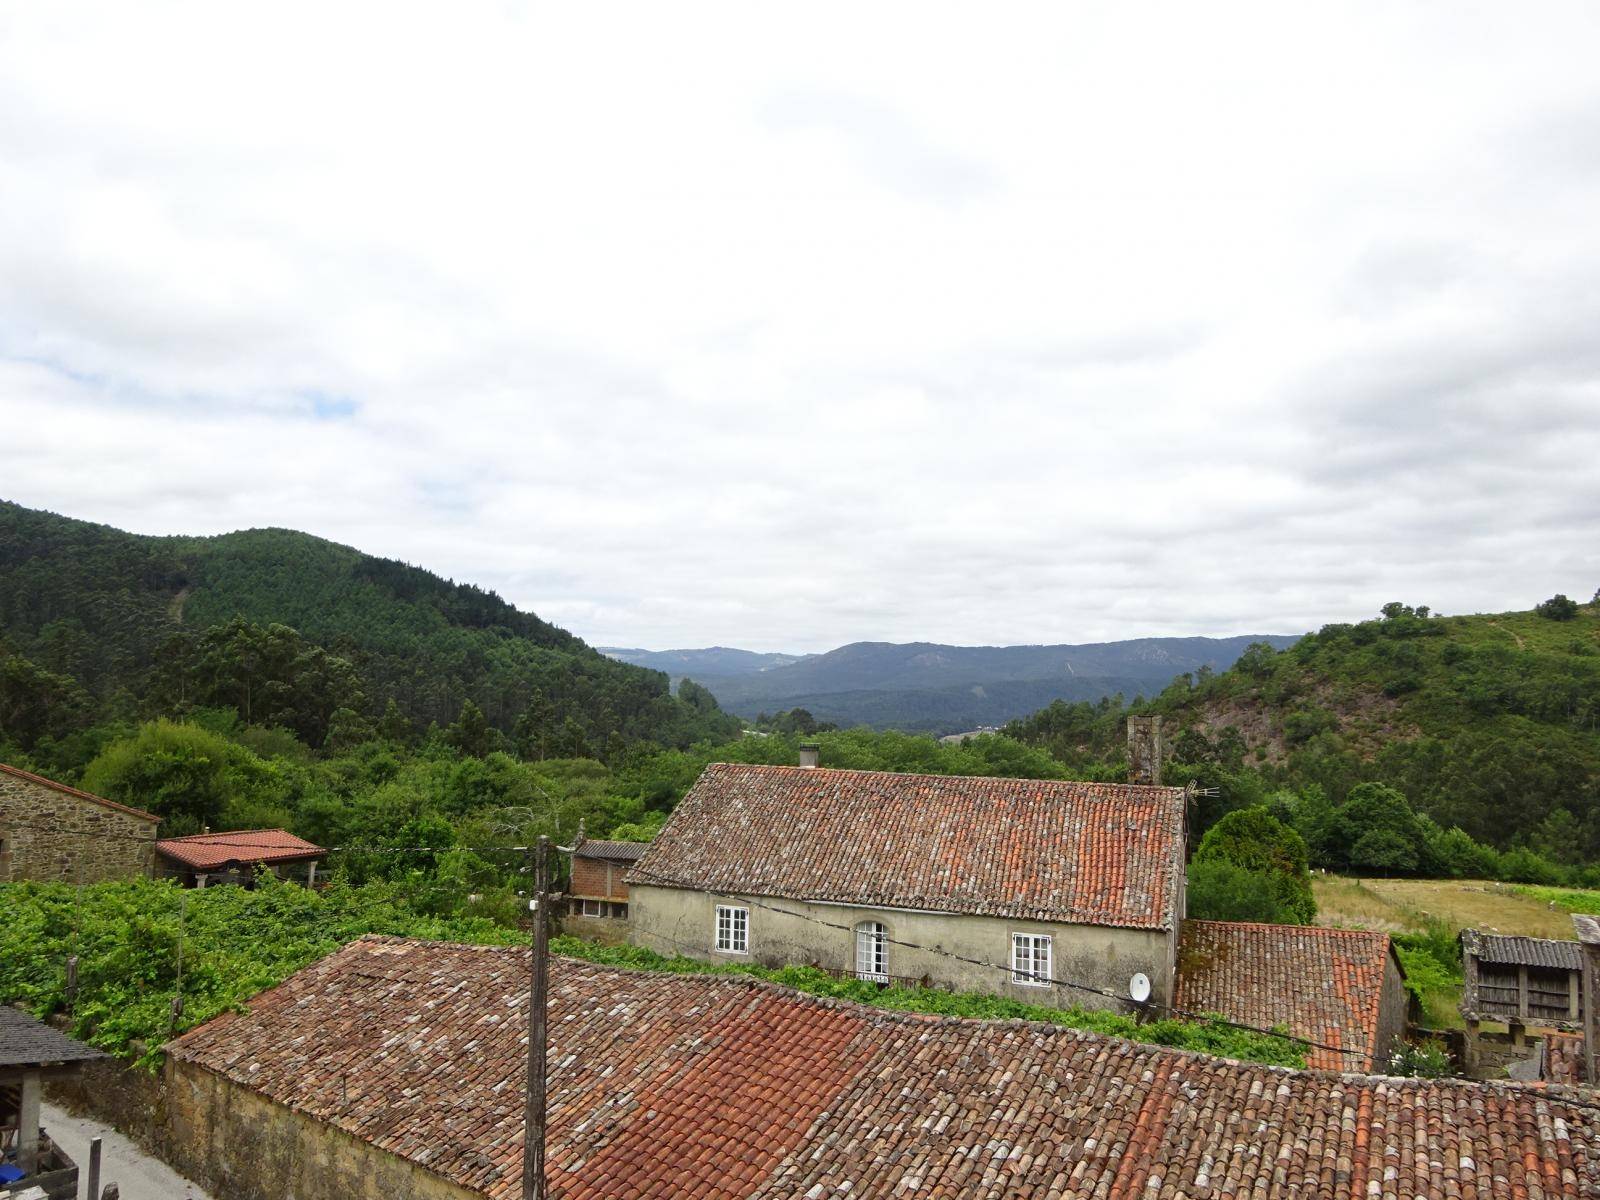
(1145, 750)
(810, 755)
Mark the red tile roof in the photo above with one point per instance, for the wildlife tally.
(1322, 984)
(30, 777)
(1561, 1059)
(666, 1086)
(212, 851)
(1046, 850)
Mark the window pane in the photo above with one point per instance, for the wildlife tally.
(872, 952)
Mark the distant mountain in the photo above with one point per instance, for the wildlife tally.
(925, 686)
(122, 625)
(713, 662)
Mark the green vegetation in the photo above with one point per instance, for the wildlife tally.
(1483, 733)
(1572, 900)
(1209, 1036)
(1251, 867)
(234, 943)
(99, 627)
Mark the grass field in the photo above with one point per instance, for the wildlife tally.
(1408, 905)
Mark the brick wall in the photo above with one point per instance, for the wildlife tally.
(49, 833)
(598, 879)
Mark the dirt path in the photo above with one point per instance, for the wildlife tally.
(137, 1175)
(1514, 636)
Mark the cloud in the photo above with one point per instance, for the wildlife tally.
(783, 332)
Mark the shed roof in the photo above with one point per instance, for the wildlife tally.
(627, 852)
(1325, 985)
(1028, 849)
(28, 1042)
(1522, 951)
(212, 851)
(30, 777)
(733, 1089)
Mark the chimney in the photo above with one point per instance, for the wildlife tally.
(1144, 750)
(810, 754)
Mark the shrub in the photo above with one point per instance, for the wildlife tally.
(1557, 608)
(1223, 891)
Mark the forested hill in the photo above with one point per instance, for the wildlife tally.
(294, 630)
(1489, 723)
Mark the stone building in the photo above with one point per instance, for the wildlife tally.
(395, 1068)
(49, 831)
(1050, 892)
(1523, 983)
(1343, 990)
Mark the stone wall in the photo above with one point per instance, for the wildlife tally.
(238, 1144)
(681, 921)
(1394, 1009)
(49, 832)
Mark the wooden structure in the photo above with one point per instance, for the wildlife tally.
(29, 1052)
(1521, 982)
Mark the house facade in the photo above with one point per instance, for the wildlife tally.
(1055, 893)
(599, 887)
(49, 831)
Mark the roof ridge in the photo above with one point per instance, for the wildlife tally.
(1094, 783)
(1328, 929)
(30, 777)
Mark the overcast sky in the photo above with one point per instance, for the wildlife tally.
(685, 324)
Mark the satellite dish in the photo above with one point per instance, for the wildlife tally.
(1139, 987)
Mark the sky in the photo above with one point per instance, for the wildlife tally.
(783, 326)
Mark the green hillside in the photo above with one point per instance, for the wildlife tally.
(1489, 723)
(293, 630)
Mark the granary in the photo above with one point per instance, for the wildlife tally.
(599, 887)
(235, 855)
(1343, 990)
(1521, 982)
(1051, 892)
(30, 1053)
(49, 831)
(396, 1067)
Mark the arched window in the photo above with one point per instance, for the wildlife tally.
(872, 952)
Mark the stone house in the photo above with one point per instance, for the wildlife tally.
(1054, 893)
(1343, 990)
(395, 1068)
(49, 831)
(234, 856)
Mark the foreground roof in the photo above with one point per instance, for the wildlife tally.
(30, 777)
(1030, 849)
(1522, 951)
(212, 851)
(730, 1088)
(27, 1042)
(610, 851)
(1325, 985)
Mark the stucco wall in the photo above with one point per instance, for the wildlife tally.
(674, 920)
(237, 1144)
(54, 835)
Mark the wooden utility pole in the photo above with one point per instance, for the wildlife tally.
(533, 1120)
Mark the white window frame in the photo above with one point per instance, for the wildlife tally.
(730, 933)
(1030, 967)
(592, 908)
(872, 952)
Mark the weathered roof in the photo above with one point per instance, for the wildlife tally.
(30, 777)
(732, 1089)
(1029, 849)
(211, 851)
(27, 1042)
(1522, 951)
(610, 851)
(1561, 1059)
(1325, 985)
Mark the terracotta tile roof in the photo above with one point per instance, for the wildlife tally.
(667, 1086)
(1322, 984)
(610, 851)
(1046, 850)
(212, 851)
(30, 777)
(1522, 951)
